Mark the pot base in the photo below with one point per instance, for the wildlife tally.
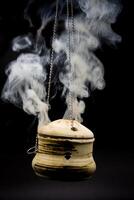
(65, 174)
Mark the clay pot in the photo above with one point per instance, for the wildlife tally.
(63, 152)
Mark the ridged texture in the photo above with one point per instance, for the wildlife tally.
(64, 158)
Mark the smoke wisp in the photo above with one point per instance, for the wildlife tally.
(26, 84)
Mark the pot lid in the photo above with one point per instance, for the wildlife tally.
(62, 128)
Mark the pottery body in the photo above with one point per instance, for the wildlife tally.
(64, 153)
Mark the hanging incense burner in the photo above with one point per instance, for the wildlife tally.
(64, 147)
(64, 152)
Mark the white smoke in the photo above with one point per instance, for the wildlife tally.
(21, 43)
(27, 75)
(25, 86)
(90, 28)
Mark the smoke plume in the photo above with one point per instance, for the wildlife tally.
(26, 84)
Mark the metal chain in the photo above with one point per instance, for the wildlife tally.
(70, 24)
(34, 149)
(73, 23)
(72, 95)
(69, 61)
(52, 52)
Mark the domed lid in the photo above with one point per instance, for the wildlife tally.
(62, 128)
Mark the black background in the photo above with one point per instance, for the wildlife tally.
(108, 115)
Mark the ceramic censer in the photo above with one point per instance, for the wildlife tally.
(64, 152)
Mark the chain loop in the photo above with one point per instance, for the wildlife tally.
(34, 149)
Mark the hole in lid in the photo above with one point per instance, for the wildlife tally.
(74, 129)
